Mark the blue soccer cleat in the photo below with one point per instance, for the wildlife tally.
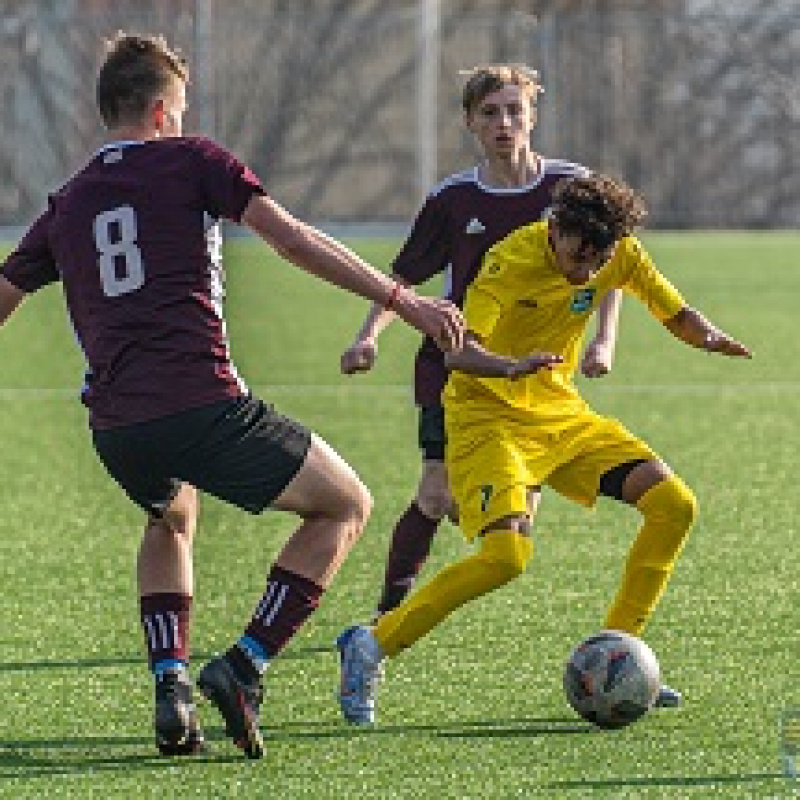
(667, 697)
(360, 659)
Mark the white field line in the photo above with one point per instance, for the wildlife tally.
(265, 390)
(632, 388)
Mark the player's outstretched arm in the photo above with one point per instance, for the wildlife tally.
(598, 356)
(361, 355)
(690, 326)
(475, 359)
(313, 251)
(10, 298)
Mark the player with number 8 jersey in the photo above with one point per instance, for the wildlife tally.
(131, 238)
(141, 294)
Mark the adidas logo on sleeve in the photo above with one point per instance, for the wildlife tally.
(474, 226)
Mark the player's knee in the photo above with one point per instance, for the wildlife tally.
(365, 505)
(345, 522)
(360, 507)
(180, 517)
(685, 505)
(681, 502)
(160, 533)
(669, 508)
(671, 500)
(506, 553)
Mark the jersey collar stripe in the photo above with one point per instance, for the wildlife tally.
(117, 145)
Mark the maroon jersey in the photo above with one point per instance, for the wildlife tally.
(460, 220)
(132, 239)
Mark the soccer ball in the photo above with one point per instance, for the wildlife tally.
(612, 679)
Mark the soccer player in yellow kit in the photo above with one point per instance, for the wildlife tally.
(515, 421)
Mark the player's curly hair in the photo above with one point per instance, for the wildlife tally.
(597, 209)
(488, 78)
(135, 69)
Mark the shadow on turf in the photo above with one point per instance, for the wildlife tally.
(455, 730)
(36, 757)
(30, 759)
(117, 661)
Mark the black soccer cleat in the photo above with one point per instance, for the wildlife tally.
(238, 702)
(178, 732)
(667, 697)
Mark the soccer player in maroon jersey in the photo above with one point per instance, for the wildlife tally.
(127, 238)
(461, 219)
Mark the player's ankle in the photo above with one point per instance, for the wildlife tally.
(243, 667)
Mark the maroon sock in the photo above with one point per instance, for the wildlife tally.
(288, 602)
(165, 620)
(411, 543)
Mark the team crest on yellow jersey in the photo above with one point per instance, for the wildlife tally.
(582, 299)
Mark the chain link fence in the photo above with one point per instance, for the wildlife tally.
(345, 109)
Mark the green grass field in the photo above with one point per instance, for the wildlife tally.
(476, 710)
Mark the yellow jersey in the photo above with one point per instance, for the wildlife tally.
(521, 303)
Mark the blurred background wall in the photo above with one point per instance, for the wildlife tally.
(349, 110)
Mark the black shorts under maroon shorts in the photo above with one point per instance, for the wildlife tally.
(240, 450)
(432, 439)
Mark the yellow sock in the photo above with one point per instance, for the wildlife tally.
(503, 555)
(669, 509)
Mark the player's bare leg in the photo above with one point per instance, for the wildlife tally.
(166, 587)
(165, 563)
(334, 506)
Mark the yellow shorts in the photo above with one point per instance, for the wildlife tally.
(493, 466)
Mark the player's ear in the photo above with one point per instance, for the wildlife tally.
(158, 113)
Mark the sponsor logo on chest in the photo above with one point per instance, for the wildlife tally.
(582, 300)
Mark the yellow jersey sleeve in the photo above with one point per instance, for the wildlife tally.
(645, 282)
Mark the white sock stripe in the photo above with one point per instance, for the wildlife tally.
(151, 634)
(265, 600)
(176, 633)
(276, 606)
(163, 630)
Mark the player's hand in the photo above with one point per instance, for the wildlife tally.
(360, 357)
(597, 360)
(435, 317)
(533, 363)
(719, 342)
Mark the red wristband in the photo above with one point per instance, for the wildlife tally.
(389, 304)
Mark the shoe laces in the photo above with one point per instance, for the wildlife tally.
(371, 672)
(169, 684)
(253, 693)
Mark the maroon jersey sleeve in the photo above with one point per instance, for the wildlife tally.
(426, 251)
(31, 265)
(226, 183)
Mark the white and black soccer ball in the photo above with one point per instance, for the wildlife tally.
(612, 679)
